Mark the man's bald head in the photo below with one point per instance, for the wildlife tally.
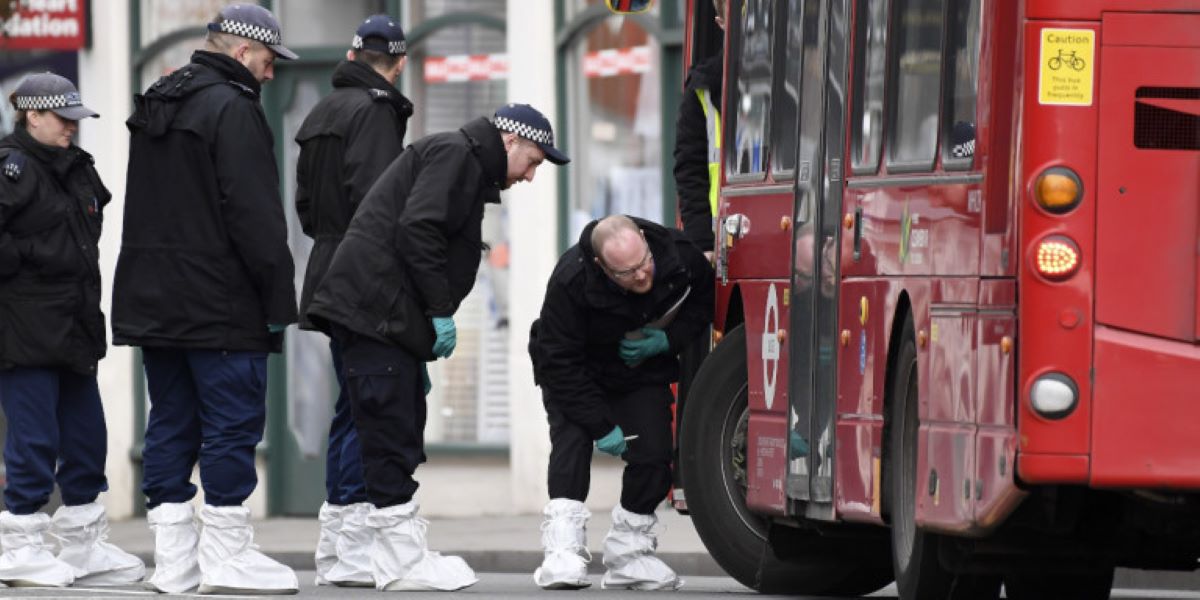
(622, 252)
(616, 228)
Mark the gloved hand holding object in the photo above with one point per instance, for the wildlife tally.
(613, 443)
(634, 351)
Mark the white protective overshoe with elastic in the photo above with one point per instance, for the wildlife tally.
(83, 533)
(230, 562)
(27, 560)
(564, 538)
(330, 518)
(353, 566)
(401, 559)
(629, 555)
(176, 564)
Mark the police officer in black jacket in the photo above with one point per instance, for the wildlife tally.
(408, 259)
(51, 337)
(620, 305)
(347, 140)
(204, 285)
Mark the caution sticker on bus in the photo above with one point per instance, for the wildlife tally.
(1066, 67)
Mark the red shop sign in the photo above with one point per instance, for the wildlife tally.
(42, 24)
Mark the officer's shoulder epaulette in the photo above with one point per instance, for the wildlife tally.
(379, 95)
(13, 165)
(245, 89)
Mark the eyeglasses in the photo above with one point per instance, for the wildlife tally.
(629, 273)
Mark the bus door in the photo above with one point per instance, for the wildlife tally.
(823, 30)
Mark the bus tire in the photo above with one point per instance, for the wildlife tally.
(915, 553)
(711, 456)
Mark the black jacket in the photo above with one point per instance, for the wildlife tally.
(691, 151)
(347, 140)
(204, 258)
(51, 201)
(574, 344)
(414, 246)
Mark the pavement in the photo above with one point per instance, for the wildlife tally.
(512, 544)
(503, 544)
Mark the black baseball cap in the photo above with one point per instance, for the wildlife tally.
(253, 22)
(47, 91)
(529, 123)
(380, 33)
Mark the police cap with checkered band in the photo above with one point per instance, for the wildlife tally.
(47, 91)
(380, 33)
(527, 122)
(252, 22)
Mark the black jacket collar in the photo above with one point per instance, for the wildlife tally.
(60, 160)
(487, 145)
(358, 75)
(228, 68)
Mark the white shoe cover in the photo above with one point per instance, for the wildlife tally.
(353, 565)
(401, 559)
(330, 519)
(176, 564)
(564, 538)
(83, 532)
(27, 560)
(230, 562)
(629, 555)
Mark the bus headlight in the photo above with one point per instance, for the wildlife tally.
(1054, 395)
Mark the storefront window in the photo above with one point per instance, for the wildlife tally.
(162, 17)
(323, 23)
(615, 129)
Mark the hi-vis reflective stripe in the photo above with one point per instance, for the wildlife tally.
(712, 124)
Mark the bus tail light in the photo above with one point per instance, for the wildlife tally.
(1057, 258)
(1058, 190)
(1054, 396)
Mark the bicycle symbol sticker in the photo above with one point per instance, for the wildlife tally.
(1066, 58)
(1066, 76)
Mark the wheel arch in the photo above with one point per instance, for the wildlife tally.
(899, 315)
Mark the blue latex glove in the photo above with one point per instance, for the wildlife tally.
(613, 443)
(447, 336)
(636, 351)
(276, 328)
(797, 445)
(425, 378)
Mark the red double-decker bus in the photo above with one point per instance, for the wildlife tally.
(956, 334)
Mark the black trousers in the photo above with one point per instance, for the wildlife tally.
(387, 399)
(645, 412)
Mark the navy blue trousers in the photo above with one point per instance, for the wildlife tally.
(645, 412)
(343, 461)
(208, 405)
(56, 432)
(387, 398)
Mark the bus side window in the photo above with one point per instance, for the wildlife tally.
(870, 51)
(916, 66)
(787, 97)
(749, 102)
(962, 85)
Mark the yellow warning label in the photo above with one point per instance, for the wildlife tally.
(1066, 67)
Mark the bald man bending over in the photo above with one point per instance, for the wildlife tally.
(619, 306)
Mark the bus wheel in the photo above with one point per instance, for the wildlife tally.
(713, 462)
(1091, 585)
(919, 572)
